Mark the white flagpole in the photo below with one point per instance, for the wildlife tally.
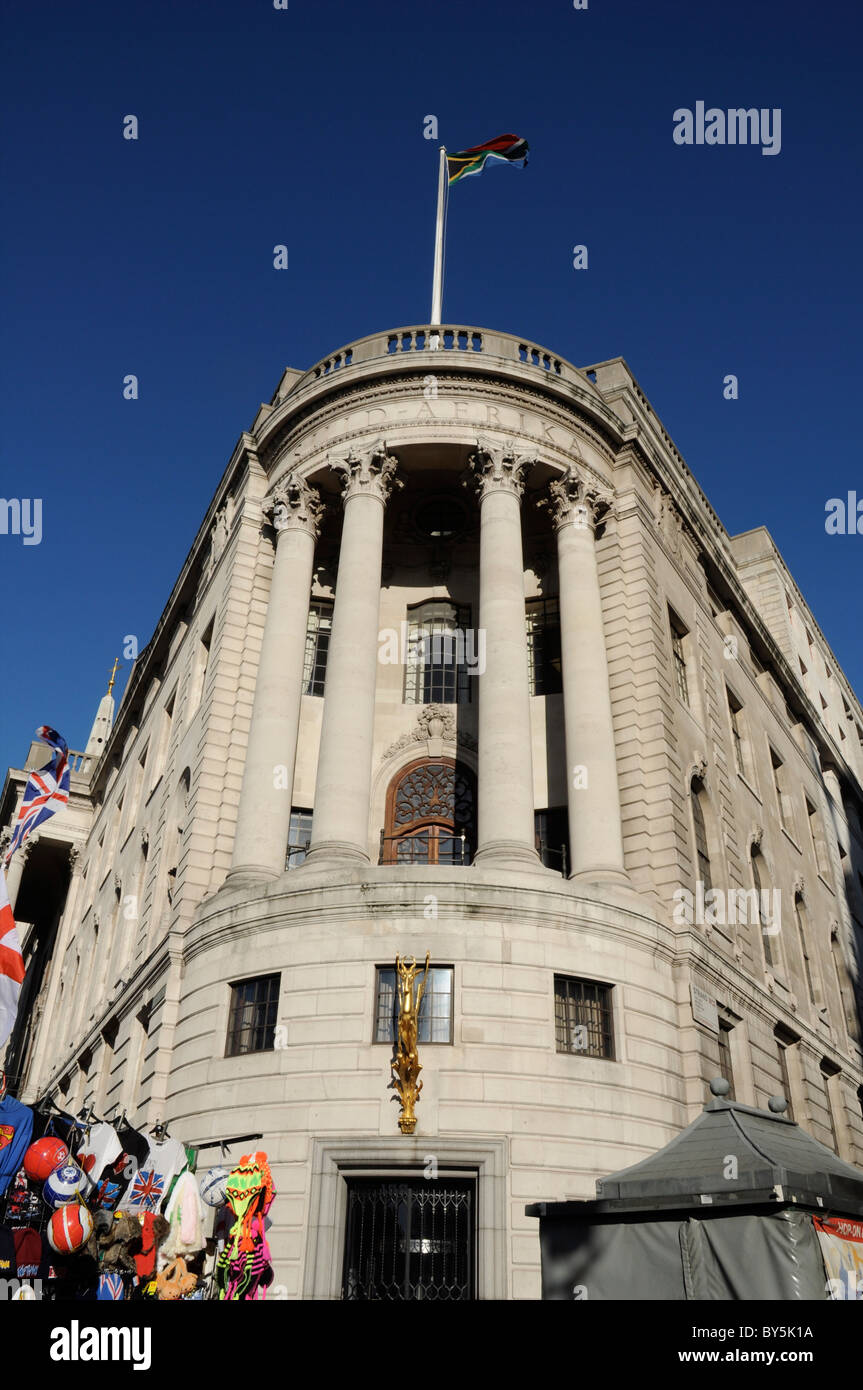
(437, 280)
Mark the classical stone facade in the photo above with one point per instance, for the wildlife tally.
(461, 662)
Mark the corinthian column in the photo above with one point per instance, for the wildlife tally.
(595, 839)
(17, 865)
(505, 783)
(264, 816)
(340, 827)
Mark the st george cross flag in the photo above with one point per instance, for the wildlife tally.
(509, 149)
(46, 791)
(11, 964)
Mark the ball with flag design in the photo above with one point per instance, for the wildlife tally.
(69, 1228)
(64, 1184)
(43, 1156)
(213, 1185)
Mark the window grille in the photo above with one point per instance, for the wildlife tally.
(583, 1017)
(440, 654)
(435, 1024)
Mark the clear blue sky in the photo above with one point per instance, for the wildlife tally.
(304, 127)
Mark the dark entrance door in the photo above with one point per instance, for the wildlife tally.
(409, 1240)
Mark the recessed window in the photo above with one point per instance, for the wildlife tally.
(829, 1073)
(739, 738)
(583, 1017)
(726, 1070)
(819, 844)
(766, 926)
(318, 629)
(699, 826)
(551, 828)
(436, 1008)
(678, 638)
(802, 937)
(252, 1018)
(543, 646)
(783, 792)
(299, 836)
(784, 1041)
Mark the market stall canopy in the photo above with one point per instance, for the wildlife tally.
(724, 1211)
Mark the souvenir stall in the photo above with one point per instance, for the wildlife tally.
(96, 1209)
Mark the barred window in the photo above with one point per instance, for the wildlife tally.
(543, 646)
(439, 655)
(583, 1017)
(678, 634)
(435, 1016)
(299, 836)
(318, 631)
(252, 1019)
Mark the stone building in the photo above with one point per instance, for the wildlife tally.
(461, 661)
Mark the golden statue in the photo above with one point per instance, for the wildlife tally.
(406, 1063)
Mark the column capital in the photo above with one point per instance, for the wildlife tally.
(499, 468)
(572, 500)
(294, 506)
(371, 473)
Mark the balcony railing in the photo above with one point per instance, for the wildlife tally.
(447, 338)
(449, 848)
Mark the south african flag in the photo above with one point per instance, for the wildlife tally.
(510, 149)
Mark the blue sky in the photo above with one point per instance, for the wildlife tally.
(305, 127)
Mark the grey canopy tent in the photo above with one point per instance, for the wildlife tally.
(725, 1211)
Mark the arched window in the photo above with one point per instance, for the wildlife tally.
(430, 815)
(702, 851)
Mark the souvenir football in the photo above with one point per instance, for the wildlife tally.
(69, 1228)
(213, 1185)
(64, 1184)
(43, 1156)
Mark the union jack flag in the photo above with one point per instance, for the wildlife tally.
(147, 1189)
(46, 791)
(110, 1287)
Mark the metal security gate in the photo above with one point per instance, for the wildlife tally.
(408, 1240)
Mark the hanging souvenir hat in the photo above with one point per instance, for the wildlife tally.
(213, 1185)
(44, 1156)
(64, 1184)
(69, 1228)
